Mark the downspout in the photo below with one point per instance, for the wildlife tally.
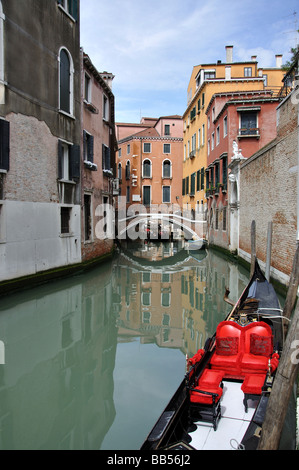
(297, 101)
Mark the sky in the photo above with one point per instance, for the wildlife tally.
(152, 46)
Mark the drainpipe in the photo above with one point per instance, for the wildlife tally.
(297, 83)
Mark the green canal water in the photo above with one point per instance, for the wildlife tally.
(92, 360)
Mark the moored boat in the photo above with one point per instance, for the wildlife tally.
(221, 403)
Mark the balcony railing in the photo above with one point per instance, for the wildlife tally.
(249, 131)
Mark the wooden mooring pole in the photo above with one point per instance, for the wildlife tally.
(253, 247)
(269, 249)
(286, 373)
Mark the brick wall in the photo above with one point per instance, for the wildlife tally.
(268, 191)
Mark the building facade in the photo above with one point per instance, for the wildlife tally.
(269, 191)
(239, 124)
(98, 162)
(149, 163)
(207, 80)
(40, 111)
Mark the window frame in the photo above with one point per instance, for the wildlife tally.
(70, 111)
(164, 201)
(144, 175)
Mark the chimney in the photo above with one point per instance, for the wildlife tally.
(278, 61)
(253, 58)
(229, 54)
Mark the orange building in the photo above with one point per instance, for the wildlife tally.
(206, 81)
(149, 162)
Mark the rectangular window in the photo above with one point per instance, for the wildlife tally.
(87, 217)
(128, 195)
(146, 195)
(128, 149)
(65, 216)
(202, 179)
(209, 75)
(203, 134)
(166, 148)
(193, 178)
(166, 194)
(147, 147)
(106, 163)
(247, 71)
(167, 129)
(184, 187)
(193, 143)
(198, 181)
(68, 161)
(87, 88)
(216, 174)
(70, 6)
(105, 108)
(217, 219)
(249, 123)
(4, 144)
(88, 147)
(217, 135)
(225, 126)
(224, 172)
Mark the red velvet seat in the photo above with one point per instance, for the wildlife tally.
(209, 383)
(228, 348)
(252, 387)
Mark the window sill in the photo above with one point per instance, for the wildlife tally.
(90, 166)
(64, 113)
(66, 235)
(67, 182)
(3, 172)
(246, 136)
(66, 13)
(91, 107)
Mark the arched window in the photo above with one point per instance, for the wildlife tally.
(119, 171)
(128, 170)
(66, 86)
(147, 169)
(166, 169)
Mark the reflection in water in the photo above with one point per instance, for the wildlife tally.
(173, 297)
(56, 389)
(86, 355)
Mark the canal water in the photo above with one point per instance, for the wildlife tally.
(92, 360)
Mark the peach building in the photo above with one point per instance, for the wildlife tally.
(149, 162)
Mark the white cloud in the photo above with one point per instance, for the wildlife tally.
(153, 46)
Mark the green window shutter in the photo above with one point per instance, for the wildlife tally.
(75, 162)
(60, 159)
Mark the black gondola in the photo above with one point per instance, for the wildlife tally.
(222, 400)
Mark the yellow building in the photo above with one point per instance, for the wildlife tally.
(205, 81)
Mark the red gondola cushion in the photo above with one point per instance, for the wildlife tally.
(253, 384)
(261, 345)
(227, 346)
